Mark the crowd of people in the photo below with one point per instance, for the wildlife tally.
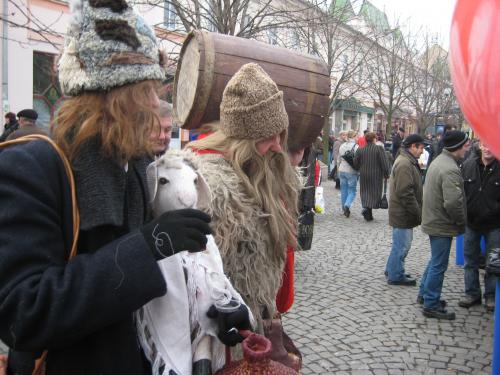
(446, 183)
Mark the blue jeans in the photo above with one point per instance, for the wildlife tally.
(348, 185)
(401, 243)
(472, 249)
(433, 277)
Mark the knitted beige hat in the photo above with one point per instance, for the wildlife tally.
(252, 107)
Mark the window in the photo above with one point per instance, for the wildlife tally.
(369, 122)
(272, 36)
(170, 17)
(47, 94)
(295, 39)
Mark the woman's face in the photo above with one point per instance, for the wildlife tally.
(7, 120)
(272, 143)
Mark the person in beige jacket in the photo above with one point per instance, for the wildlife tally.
(443, 217)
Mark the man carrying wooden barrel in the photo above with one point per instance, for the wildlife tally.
(255, 191)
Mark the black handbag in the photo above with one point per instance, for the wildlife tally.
(305, 230)
(384, 204)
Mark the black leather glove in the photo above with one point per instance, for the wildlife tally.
(176, 231)
(229, 323)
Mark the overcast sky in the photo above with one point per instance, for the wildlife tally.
(434, 15)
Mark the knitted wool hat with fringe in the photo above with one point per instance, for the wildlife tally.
(107, 45)
(252, 107)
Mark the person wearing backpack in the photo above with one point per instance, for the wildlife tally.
(347, 174)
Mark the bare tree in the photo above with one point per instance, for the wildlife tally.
(23, 17)
(243, 18)
(390, 67)
(430, 92)
(327, 33)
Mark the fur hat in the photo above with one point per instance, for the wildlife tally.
(107, 45)
(454, 139)
(252, 107)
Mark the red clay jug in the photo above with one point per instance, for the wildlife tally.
(256, 361)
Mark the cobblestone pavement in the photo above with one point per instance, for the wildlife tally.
(347, 320)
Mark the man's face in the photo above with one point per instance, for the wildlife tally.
(25, 121)
(416, 149)
(272, 144)
(486, 153)
(296, 157)
(162, 140)
(464, 149)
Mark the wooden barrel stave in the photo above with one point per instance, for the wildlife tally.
(247, 48)
(295, 100)
(291, 77)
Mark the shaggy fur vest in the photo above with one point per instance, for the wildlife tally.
(242, 235)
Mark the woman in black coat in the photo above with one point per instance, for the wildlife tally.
(373, 167)
(82, 310)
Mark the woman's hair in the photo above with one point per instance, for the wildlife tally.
(270, 180)
(352, 134)
(11, 116)
(121, 119)
(370, 137)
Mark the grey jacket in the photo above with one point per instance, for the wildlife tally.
(444, 210)
(405, 199)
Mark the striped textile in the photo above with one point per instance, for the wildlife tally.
(373, 167)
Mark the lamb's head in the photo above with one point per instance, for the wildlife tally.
(175, 183)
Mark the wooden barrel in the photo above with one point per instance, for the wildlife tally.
(208, 60)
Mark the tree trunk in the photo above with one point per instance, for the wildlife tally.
(388, 128)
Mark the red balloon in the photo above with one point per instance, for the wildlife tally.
(475, 66)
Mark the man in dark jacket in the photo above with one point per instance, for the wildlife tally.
(27, 124)
(481, 172)
(11, 125)
(397, 140)
(443, 217)
(405, 207)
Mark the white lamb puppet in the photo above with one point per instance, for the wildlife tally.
(174, 330)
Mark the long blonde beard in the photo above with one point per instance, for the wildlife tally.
(254, 216)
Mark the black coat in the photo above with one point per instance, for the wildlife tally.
(81, 310)
(9, 129)
(373, 167)
(482, 189)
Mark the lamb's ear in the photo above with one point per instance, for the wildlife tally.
(204, 195)
(152, 179)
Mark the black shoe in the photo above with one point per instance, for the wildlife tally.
(442, 302)
(347, 211)
(438, 313)
(469, 301)
(407, 275)
(366, 215)
(406, 282)
(489, 303)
